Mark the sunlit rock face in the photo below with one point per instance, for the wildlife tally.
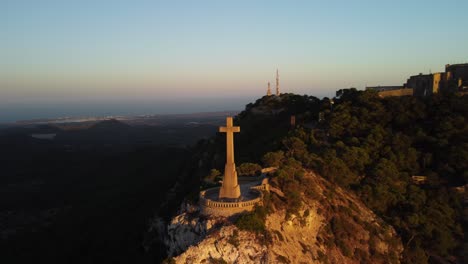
(228, 244)
(331, 226)
(187, 229)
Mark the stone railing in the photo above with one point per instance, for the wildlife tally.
(263, 187)
(210, 203)
(210, 207)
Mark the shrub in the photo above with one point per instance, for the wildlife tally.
(218, 261)
(273, 159)
(311, 191)
(213, 174)
(361, 255)
(282, 259)
(344, 248)
(294, 202)
(253, 221)
(249, 169)
(234, 239)
(322, 257)
(168, 261)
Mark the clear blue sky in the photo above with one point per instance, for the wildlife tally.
(60, 52)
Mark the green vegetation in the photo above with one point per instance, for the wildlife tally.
(217, 261)
(376, 145)
(249, 169)
(234, 238)
(322, 257)
(282, 259)
(169, 261)
(371, 146)
(273, 159)
(214, 173)
(253, 221)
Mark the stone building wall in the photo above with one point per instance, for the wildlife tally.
(454, 79)
(457, 71)
(457, 75)
(399, 92)
(421, 84)
(439, 82)
(384, 88)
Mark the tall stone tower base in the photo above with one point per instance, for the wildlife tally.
(230, 188)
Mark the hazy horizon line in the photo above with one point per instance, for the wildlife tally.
(46, 109)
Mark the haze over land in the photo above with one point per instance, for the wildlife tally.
(98, 58)
(91, 108)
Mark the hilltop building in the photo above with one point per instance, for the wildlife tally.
(458, 75)
(421, 84)
(454, 79)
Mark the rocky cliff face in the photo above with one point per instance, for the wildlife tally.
(332, 226)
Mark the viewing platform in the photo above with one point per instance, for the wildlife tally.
(252, 195)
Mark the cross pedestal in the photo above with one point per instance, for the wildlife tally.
(230, 188)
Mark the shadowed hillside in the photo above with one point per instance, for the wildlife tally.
(85, 195)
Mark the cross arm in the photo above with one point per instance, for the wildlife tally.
(229, 129)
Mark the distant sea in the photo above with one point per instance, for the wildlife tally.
(10, 112)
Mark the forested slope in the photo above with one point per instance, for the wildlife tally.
(372, 146)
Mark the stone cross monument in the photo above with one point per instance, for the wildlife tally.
(230, 188)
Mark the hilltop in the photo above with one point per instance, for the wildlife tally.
(373, 148)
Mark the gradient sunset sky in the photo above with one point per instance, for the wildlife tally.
(60, 53)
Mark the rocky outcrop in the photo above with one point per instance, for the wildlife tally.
(332, 226)
(186, 229)
(228, 244)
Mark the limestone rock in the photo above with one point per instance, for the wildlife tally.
(228, 244)
(332, 226)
